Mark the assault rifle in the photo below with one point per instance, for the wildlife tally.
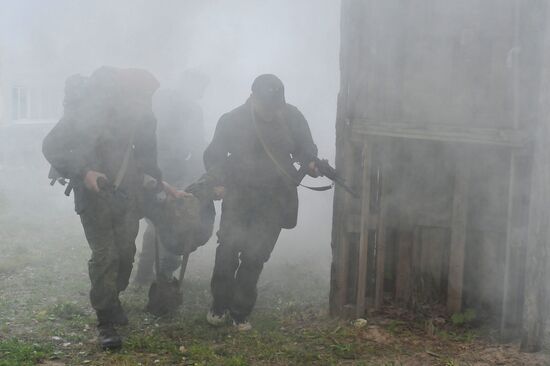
(327, 171)
(54, 176)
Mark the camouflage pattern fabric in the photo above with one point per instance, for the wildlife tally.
(112, 241)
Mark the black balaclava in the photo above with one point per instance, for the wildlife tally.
(269, 90)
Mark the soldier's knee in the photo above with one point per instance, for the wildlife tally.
(255, 256)
(253, 264)
(104, 257)
(226, 261)
(128, 253)
(225, 249)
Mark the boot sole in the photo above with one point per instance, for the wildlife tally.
(111, 346)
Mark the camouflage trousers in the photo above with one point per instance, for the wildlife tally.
(248, 232)
(112, 241)
(168, 262)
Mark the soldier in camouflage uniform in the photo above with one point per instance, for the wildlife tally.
(113, 127)
(256, 144)
(181, 143)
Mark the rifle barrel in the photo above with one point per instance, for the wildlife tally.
(346, 188)
(331, 173)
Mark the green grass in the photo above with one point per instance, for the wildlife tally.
(464, 318)
(14, 259)
(396, 326)
(67, 311)
(14, 352)
(45, 314)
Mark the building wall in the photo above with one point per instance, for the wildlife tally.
(452, 66)
(2, 103)
(32, 103)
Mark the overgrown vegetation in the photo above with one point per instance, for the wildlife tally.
(464, 318)
(45, 316)
(15, 352)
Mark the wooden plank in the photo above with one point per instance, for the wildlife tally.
(433, 219)
(341, 209)
(381, 247)
(364, 241)
(404, 267)
(341, 239)
(434, 241)
(440, 132)
(458, 237)
(535, 307)
(354, 222)
(513, 239)
(344, 159)
(416, 275)
(354, 244)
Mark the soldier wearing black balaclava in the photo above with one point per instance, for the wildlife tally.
(252, 154)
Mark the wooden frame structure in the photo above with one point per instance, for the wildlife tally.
(437, 127)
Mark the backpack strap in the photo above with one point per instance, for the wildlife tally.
(125, 161)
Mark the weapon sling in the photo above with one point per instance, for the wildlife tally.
(280, 168)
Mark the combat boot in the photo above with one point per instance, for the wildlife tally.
(216, 319)
(118, 316)
(242, 325)
(108, 337)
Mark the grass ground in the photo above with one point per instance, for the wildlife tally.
(45, 317)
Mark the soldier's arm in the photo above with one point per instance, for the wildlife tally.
(305, 147)
(215, 155)
(145, 144)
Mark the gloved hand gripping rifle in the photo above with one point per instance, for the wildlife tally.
(327, 171)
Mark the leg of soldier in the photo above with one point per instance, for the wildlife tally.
(103, 268)
(223, 276)
(261, 238)
(146, 262)
(126, 230)
(230, 239)
(168, 262)
(104, 263)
